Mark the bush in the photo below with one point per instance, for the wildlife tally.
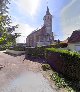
(58, 45)
(38, 52)
(65, 62)
(3, 47)
(59, 81)
(17, 48)
(46, 67)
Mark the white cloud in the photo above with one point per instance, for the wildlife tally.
(70, 18)
(25, 30)
(28, 6)
(68, 31)
(68, 6)
(70, 25)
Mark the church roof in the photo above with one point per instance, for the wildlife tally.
(41, 31)
(75, 37)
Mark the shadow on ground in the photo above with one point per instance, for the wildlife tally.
(39, 60)
(13, 54)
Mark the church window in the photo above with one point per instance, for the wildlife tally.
(48, 17)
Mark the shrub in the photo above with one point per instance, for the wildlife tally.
(58, 45)
(59, 81)
(38, 52)
(17, 48)
(65, 62)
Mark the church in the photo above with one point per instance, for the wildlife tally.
(44, 35)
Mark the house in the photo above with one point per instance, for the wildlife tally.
(44, 35)
(74, 41)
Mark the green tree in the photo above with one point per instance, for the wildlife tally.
(6, 36)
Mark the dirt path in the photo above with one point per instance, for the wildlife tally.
(22, 76)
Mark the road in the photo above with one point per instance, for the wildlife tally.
(22, 76)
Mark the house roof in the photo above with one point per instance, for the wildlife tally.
(75, 37)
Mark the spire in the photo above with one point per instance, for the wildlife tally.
(47, 12)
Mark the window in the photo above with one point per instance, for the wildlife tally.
(48, 17)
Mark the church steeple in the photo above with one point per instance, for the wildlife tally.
(47, 12)
(47, 18)
(48, 21)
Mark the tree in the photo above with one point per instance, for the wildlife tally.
(6, 29)
(3, 6)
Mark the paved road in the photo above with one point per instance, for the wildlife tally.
(22, 76)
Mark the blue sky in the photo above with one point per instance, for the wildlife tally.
(29, 15)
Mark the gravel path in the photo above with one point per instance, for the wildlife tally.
(22, 76)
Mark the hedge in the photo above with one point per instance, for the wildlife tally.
(37, 52)
(17, 48)
(65, 62)
(58, 45)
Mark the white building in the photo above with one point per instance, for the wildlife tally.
(74, 41)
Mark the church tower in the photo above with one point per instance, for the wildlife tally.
(43, 36)
(48, 22)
